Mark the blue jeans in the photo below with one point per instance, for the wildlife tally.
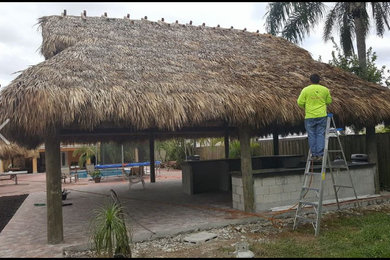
(315, 128)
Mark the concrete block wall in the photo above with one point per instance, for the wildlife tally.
(276, 191)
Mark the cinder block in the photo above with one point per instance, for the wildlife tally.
(282, 180)
(259, 199)
(295, 180)
(268, 181)
(275, 189)
(262, 190)
(236, 181)
(239, 191)
(291, 187)
(271, 198)
(236, 198)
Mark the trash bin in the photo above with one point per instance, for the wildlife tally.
(193, 157)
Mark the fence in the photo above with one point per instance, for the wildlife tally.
(352, 144)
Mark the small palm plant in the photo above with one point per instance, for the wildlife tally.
(86, 153)
(109, 232)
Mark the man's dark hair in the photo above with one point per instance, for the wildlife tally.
(314, 78)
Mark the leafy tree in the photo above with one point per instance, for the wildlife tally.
(293, 20)
(351, 64)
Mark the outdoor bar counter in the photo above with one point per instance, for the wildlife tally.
(277, 180)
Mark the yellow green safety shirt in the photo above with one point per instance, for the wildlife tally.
(314, 99)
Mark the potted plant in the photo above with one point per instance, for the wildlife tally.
(96, 175)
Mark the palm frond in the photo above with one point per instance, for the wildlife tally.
(276, 16)
(380, 13)
(304, 18)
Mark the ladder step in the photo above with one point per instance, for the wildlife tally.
(308, 188)
(335, 151)
(343, 186)
(312, 173)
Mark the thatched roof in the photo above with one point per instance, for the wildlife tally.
(13, 150)
(138, 75)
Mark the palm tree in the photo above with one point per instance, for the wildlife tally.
(86, 153)
(295, 19)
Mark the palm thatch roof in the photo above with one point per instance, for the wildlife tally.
(102, 75)
(7, 152)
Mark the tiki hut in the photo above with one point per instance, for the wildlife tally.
(116, 79)
(8, 152)
(13, 152)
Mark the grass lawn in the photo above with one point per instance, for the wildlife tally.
(361, 233)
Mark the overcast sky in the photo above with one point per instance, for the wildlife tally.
(20, 38)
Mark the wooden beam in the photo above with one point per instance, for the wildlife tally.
(275, 136)
(246, 169)
(226, 142)
(131, 132)
(372, 153)
(152, 163)
(53, 190)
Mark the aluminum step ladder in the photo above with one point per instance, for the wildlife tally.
(312, 175)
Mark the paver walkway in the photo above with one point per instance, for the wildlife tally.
(159, 210)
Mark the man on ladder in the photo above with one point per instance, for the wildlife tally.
(314, 99)
(320, 126)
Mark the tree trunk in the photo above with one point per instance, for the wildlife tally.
(357, 10)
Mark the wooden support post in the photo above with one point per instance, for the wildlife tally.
(275, 136)
(53, 190)
(372, 153)
(136, 154)
(226, 144)
(246, 170)
(152, 165)
(1, 166)
(35, 165)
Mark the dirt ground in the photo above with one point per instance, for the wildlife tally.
(229, 237)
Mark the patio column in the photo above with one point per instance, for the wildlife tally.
(35, 164)
(372, 153)
(152, 163)
(226, 141)
(53, 190)
(246, 169)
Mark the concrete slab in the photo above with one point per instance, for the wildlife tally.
(199, 237)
